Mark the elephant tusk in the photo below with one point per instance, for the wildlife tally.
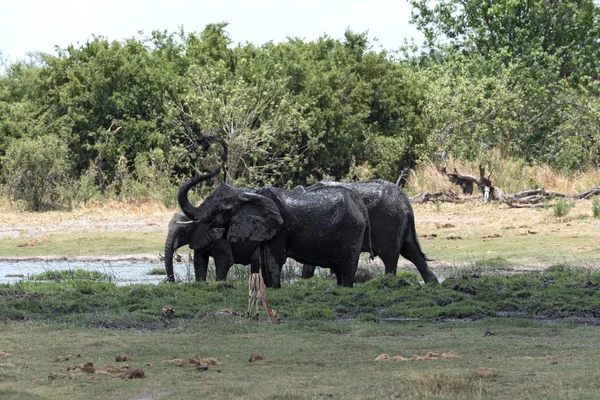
(188, 222)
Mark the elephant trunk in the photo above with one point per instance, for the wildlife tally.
(182, 195)
(170, 247)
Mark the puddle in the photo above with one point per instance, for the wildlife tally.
(121, 273)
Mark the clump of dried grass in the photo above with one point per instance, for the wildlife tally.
(508, 174)
(441, 385)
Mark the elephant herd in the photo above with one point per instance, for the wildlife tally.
(327, 224)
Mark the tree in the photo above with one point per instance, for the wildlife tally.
(506, 30)
(257, 119)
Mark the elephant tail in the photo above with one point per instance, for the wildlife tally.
(412, 234)
(368, 240)
(367, 243)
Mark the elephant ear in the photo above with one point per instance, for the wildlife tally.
(258, 219)
(203, 236)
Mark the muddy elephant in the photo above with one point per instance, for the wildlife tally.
(326, 226)
(183, 231)
(392, 225)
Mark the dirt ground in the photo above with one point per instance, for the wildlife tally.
(142, 217)
(114, 217)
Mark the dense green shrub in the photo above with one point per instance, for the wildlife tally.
(36, 172)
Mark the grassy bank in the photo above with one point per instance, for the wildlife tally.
(558, 292)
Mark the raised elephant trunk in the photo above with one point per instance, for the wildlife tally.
(182, 194)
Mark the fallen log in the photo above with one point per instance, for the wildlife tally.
(526, 197)
(427, 196)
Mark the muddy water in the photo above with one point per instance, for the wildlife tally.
(121, 273)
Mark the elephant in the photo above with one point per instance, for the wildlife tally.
(181, 232)
(208, 242)
(326, 226)
(392, 225)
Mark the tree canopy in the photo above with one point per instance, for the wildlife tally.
(518, 77)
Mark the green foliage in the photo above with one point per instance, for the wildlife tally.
(389, 281)
(596, 208)
(500, 78)
(36, 171)
(156, 271)
(507, 30)
(562, 207)
(72, 274)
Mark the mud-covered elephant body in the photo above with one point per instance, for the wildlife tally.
(392, 225)
(181, 232)
(326, 226)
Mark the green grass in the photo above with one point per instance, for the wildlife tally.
(557, 292)
(87, 244)
(308, 360)
(534, 249)
(326, 345)
(156, 271)
(72, 274)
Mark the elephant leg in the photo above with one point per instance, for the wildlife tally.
(338, 276)
(272, 256)
(414, 255)
(308, 271)
(200, 264)
(222, 266)
(255, 266)
(345, 275)
(271, 268)
(391, 262)
(256, 269)
(223, 256)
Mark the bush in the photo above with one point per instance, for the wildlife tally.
(36, 171)
(562, 207)
(596, 208)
